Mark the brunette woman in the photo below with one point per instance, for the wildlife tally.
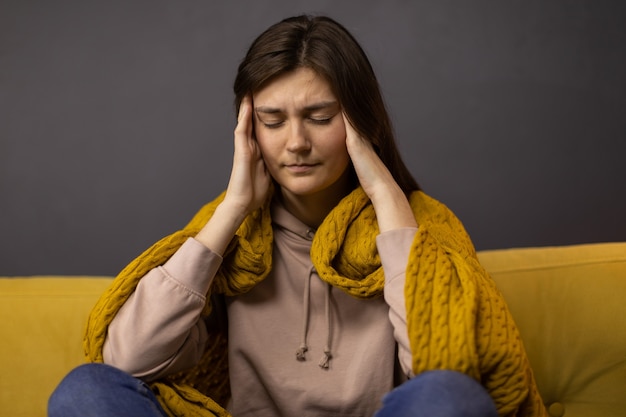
(322, 282)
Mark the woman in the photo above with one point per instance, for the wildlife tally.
(322, 245)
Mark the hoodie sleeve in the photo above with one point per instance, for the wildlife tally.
(159, 329)
(394, 247)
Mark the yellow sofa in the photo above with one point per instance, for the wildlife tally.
(569, 303)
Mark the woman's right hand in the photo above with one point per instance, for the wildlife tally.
(249, 182)
(248, 187)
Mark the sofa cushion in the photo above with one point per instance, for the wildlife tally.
(567, 301)
(569, 304)
(42, 325)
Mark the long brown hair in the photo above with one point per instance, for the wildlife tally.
(325, 46)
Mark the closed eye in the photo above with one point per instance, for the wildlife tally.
(321, 120)
(273, 125)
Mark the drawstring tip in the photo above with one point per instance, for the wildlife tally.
(325, 361)
(300, 352)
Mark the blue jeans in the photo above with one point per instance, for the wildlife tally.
(438, 394)
(98, 390)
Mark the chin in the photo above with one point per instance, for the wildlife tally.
(310, 186)
(302, 190)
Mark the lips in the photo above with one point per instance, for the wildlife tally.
(300, 168)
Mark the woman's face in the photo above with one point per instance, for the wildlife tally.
(299, 127)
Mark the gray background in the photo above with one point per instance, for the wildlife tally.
(116, 117)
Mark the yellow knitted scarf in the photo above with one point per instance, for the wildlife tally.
(456, 317)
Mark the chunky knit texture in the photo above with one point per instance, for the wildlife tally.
(456, 317)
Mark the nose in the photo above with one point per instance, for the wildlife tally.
(298, 139)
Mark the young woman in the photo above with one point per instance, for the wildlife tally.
(322, 282)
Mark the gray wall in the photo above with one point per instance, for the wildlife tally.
(116, 117)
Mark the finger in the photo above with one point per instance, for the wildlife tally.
(244, 119)
(356, 144)
(244, 107)
(351, 136)
(350, 131)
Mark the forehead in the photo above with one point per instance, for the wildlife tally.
(301, 87)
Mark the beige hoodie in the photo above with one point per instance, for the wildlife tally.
(353, 345)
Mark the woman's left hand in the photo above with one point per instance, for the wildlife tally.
(390, 203)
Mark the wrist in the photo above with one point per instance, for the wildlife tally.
(231, 213)
(393, 210)
(221, 228)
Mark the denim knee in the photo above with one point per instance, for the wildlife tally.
(97, 389)
(439, 393)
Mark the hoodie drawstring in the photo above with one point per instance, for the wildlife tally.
(305, 317)
(324, 362)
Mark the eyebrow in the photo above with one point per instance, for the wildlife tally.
(313, 107)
